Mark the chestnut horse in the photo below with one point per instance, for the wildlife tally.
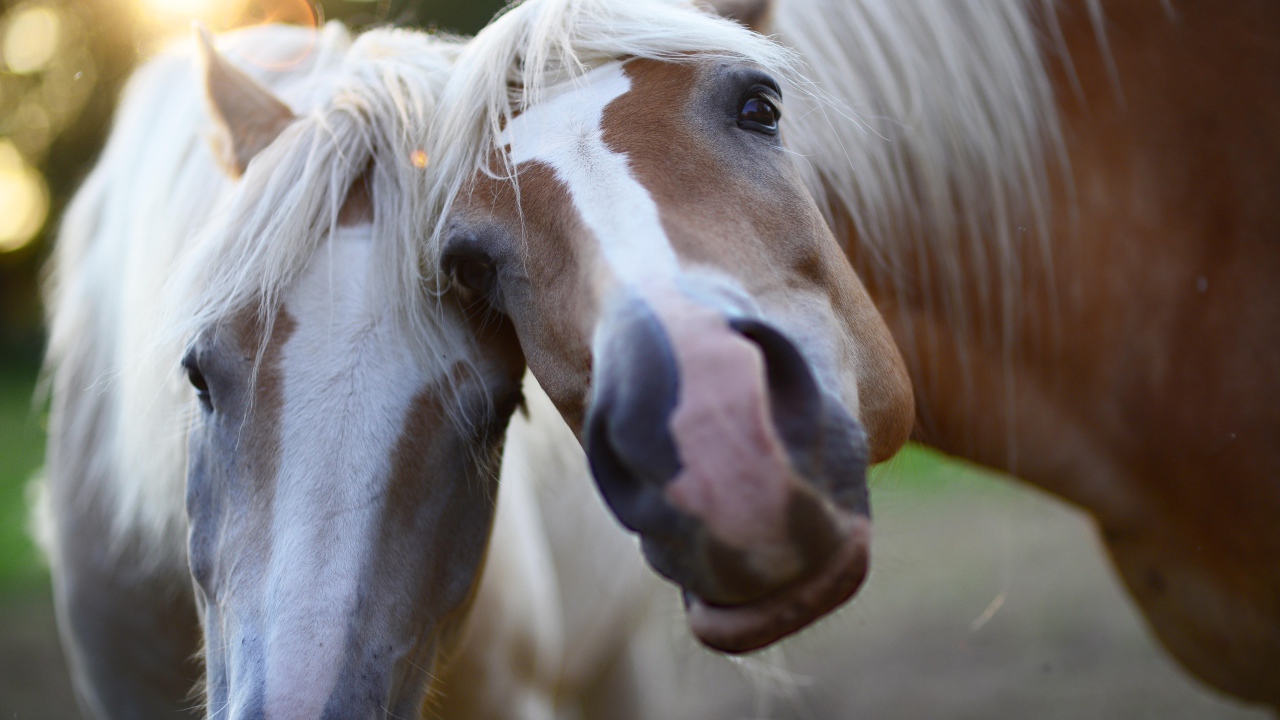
(1064, 210)
(678, 295)
(340, 423)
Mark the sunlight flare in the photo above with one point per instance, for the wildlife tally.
(31, 38)
(24, 199)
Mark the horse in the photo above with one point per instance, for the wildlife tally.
(689, 313)
(1018, 183)
(303, 518)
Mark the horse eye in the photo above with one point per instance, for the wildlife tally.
(759, 114)
(197, 380)
(472, 275)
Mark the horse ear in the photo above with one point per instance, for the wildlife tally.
(755, 14)
(247, 117)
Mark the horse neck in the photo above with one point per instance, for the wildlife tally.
(1145, 115)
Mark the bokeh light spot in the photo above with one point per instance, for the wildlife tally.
(418, 158)
(187, 8)
(24, 199)
(31, 39)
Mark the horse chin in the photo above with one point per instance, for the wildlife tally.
(743, 628)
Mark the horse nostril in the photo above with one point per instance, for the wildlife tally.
(795, 400)
(628, 442)
(825, 443)
(622, 489)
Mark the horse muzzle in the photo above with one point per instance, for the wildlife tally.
(711, 437)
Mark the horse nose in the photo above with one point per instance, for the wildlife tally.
(627, 438)
(701, 427)
(795, 400)
(638, 384)
(712, 438)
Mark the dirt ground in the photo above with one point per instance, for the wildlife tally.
(987, 601)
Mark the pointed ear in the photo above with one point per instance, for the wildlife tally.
(757, 15)
(247, 117)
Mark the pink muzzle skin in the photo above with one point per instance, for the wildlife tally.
(710, 436)
(738, 480)
(735, 475)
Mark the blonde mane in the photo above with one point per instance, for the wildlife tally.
(943, 126)
(158, 245)
(939, 139)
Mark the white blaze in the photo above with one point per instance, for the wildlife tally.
(564, 132)
(348, 382)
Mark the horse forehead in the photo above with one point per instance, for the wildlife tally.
(569, 116)
(335, 284)
(347, 317)
(565, 132)
(348, 350)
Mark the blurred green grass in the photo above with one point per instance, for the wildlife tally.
(21, 454)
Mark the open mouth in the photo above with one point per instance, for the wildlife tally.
(742, 628)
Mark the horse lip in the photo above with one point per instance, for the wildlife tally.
(751, 626)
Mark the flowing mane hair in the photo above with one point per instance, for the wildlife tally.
(538, 44)
(159, 245)
(955, 131)
(939, 142)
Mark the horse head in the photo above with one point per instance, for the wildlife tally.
(348, 416)
(676, 291)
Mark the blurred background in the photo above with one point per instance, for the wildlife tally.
(988, 599)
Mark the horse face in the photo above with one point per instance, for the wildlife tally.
(679, 296)
(340, 497)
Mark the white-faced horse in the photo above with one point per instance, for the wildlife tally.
(326, 470)
(1065, 210)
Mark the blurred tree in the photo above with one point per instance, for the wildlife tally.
(62, 64)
